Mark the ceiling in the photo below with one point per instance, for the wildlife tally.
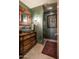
(35, 3)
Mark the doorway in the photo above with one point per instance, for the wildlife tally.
(50, 21)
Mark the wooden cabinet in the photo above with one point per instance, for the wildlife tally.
(26, 41)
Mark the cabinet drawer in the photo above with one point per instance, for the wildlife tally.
(25, 33)
(26, 42)
(28, 36)
(26, 48)
(29, 45)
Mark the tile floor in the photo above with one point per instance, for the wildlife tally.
(35, 53)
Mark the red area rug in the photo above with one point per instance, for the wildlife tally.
(50, 49)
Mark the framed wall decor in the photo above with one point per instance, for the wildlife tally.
(51, 21)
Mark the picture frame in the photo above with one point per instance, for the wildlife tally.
(52, 21)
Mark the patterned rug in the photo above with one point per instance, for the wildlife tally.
(50, 49)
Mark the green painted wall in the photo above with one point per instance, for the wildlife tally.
(38, 21)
